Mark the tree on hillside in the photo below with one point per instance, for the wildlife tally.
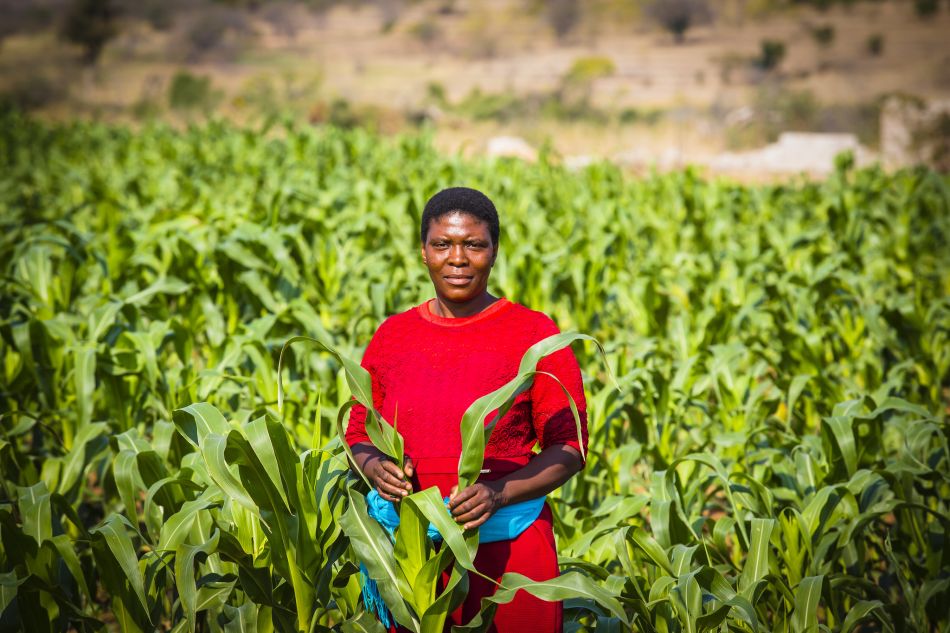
(563, 16)
(90, 24)
(678, 16)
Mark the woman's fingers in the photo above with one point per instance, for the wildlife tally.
(477, 522)
(472, 499)
(388, 497)
(389, 480)
(459, 498)
(474, 505)
(409, 468)
(481, 511)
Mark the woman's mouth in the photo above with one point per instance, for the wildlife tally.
(457, 281)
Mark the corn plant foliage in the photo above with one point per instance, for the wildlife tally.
(775, 458)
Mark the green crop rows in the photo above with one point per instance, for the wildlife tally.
(775, 457)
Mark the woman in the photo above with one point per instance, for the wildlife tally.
(430, 363)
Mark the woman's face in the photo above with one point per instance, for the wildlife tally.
(459, 254)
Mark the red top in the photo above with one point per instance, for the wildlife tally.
(428, 369)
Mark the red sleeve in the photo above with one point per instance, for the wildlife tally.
(551, 411)
(356, 429)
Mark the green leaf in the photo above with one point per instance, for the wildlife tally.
(8, 588)
(113, 534)
(652, 549)
(212, 594)
(807, 596)
(84, 376)
(843, 434)
(125, 469)
(570, 585)
(372, 546)
(411, 551)
(64, 549)
(35, 511)
(175, 530)
(91, 440)
(363, 622)
(164, 285)
(435, 615)
(431, 504)
(213, 450)
(756, 564)
(860, 611)
(357, 378)
(197, 421)
(186, 556)
(241, 619)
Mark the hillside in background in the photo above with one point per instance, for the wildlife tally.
(588, 80)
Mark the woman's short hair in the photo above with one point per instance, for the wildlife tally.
(464, 200)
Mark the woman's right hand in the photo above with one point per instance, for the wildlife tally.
(391, 482)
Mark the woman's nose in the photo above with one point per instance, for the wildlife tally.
(457, 255)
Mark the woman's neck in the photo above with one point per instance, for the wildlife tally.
(450, 310)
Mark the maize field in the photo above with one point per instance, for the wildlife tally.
(768, 411)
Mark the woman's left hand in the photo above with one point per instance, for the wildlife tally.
(474, 505)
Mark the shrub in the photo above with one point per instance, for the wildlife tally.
(145, 109)
(217, 30)
(638, 115)
(272, 94)
(823, 35)
(587, 69)
(502, 106)
(875, 44)
(159, 14)
(191, 92)
(283, 17)
(678, 16)
(425, 31)
(342, 113)
(771, 54)
(926, 8)
(435, 92)
(90, 24)
(563, 16)
(389, 13)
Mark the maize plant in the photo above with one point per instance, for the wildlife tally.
(768, 415)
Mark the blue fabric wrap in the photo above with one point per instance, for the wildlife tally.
(507, 523)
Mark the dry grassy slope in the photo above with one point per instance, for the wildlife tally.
(392, 68)
(495, 46)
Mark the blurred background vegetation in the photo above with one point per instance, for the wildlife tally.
(639, 81)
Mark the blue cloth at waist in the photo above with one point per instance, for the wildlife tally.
(507, 522)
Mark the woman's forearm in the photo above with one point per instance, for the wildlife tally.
(363, 452)
(545, 473)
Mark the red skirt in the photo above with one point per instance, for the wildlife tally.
(532, 554)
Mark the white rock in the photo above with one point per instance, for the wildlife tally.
(511, 146)
(794, 152)
(579, 162)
